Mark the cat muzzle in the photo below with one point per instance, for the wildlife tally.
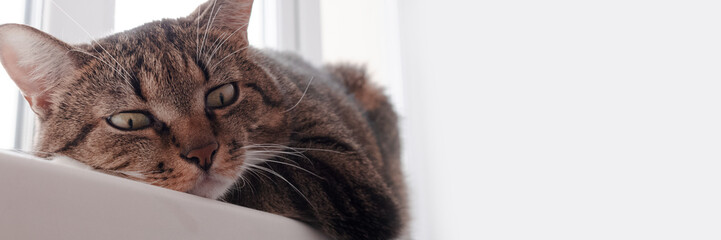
(202, 156)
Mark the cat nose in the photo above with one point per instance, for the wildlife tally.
(202, 156)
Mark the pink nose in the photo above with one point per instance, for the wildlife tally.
(202, 156)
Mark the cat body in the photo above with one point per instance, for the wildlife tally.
(188, 105)
(352, 126)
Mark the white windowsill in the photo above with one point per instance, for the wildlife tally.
(41, 200)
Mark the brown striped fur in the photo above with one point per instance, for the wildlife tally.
(332, 122)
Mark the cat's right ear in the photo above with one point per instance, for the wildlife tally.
(233, 15)
(36, 62)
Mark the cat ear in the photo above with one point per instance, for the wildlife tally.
(35, 61)
(233, 15)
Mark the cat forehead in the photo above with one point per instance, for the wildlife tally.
(157, 63)
(169, 71)
(151, 45)
(146, 55)
(170, 79)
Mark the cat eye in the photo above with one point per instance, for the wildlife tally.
(221, 96)
(130, 121)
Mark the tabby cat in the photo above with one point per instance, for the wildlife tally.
(188, 105)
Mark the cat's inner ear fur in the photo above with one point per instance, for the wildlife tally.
(233, 15)
(35, 61)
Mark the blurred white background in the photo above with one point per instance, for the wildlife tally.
(11, 11)
(521, 119)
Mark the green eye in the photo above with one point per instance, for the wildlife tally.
(129, 121)
(221, 96)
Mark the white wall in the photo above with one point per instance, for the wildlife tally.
(563, 119)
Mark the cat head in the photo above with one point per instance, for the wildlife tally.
(176, 103)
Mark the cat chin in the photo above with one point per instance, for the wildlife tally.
(211, 186)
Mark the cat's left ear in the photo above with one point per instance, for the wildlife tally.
(36, 62)
(233, 15)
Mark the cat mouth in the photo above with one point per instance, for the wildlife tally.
(211, 186)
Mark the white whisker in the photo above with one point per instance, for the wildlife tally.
(212, 8)
(197, 37)
(223, 42)
(295, 166)
(271, 155)
(221, 60)
(298, 154)
(127, 74)
(211, 19)
(259, 175)
(286, 181)
(296, 148)
(301, 97)
(217, 40)
(102, 60)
